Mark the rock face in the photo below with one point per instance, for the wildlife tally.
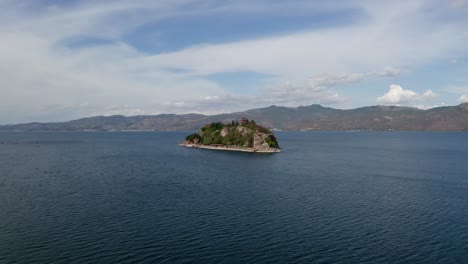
(260, 142)
(246, 134)
(225, 131)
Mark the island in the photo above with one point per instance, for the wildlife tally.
(244, 136)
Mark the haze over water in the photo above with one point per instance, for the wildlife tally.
(329, 197)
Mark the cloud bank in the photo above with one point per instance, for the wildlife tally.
(397, 95)
(63, 61)
(463, 98)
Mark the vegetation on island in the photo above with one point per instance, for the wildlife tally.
(244, 134)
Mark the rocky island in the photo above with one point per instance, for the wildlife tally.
(245, 136)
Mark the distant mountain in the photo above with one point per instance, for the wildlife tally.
(302, 118)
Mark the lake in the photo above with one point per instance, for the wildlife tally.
(328, 197)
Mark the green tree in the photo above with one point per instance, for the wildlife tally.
(250, 140)
(207, 140)
(191, 137)
(271, 141)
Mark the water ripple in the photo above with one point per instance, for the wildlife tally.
(328, 198)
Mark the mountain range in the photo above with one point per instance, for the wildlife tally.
(302, 118)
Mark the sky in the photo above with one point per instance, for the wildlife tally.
(63, 60)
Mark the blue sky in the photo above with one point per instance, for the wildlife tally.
(62, 60)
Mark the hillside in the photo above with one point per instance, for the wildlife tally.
(303, 118)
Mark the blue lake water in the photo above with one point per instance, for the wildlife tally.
(329, 197)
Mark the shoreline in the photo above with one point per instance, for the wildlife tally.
(223, 148)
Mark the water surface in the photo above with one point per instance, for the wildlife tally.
(329, 197)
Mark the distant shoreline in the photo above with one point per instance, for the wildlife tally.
(185, 131)
(303, 118)
(224, 148)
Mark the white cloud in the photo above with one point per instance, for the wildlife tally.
(458, 4)
(397, 95)
(461, 91)
(332, 79)
(38, 68)
(315, 90)
(389, 72)
(123, 110)
(463, 98)
(390, 37)
(428, 95)
(425, 107)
